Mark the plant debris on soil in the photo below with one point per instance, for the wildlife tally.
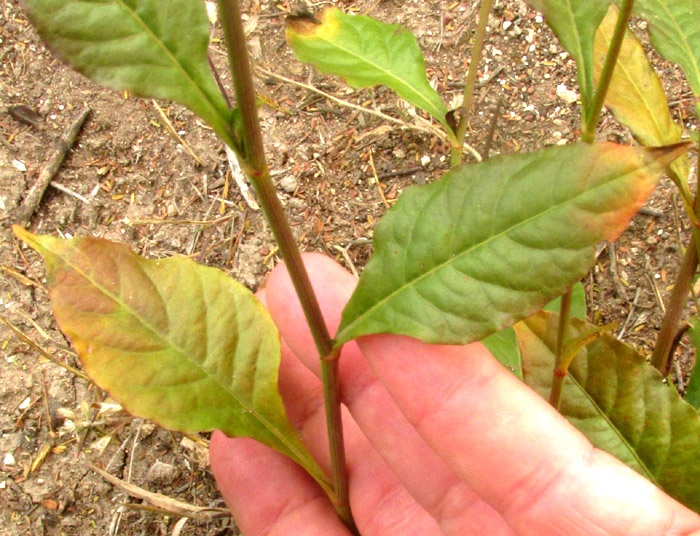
(150, 174)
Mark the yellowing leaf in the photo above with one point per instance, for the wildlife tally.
(366, 52)
(621, 403)
(181, 344)
(636, 96)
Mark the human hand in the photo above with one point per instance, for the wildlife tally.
(440, 440)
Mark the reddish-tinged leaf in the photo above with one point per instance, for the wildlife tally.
(621, 403)
(491, 243)
(181, 344)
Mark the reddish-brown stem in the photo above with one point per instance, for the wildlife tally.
(254, 163)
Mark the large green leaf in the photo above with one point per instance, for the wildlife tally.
(504, 344)
(181, 344)
(675, 33)
(151, 48)
(621, 404)
(366, 52)
(491, 243)
(636, 97)
(575, 23)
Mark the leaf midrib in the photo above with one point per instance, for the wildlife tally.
(169, 344)
(203, 96)
(615, 429)
(430, 108)
(453, 258)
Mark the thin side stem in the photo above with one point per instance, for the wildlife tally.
(255, 166)
(558, 378)
(592, 115)
(564, 317)
(566, 355)
(470, 83)
(559, 372)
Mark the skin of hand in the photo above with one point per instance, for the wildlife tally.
(440, 440)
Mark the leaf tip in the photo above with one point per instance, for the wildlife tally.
(24, 235)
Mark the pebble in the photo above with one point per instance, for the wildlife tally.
(161, 472)
(288, 184)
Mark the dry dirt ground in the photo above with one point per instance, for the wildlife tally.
(337, 169)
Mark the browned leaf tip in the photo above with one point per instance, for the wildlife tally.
(302, 22)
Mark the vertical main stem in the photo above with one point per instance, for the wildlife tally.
(470, 83)
(255, 165)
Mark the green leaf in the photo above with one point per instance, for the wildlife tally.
(621, 404)
(578, 302)
(636, 97)
(675, 33)
(366, 52)
(181, 344)
(575, 23)
(148, 47)
(692, 393)
(491, 243)
(504, 344)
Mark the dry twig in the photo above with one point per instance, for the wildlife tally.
(163, 502)
(56, 157)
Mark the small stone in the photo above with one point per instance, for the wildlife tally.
(161, 472)
(288, 184)
(568, 95)
(8, 459)
(172, 210)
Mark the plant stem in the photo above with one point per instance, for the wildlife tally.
(592, 115)
(565, 356)
(558, 378)
(564, 317)
(559, 373)
(684, 282)
(255, 165)
(470, 83)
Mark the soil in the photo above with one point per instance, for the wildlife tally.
(138, 183)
